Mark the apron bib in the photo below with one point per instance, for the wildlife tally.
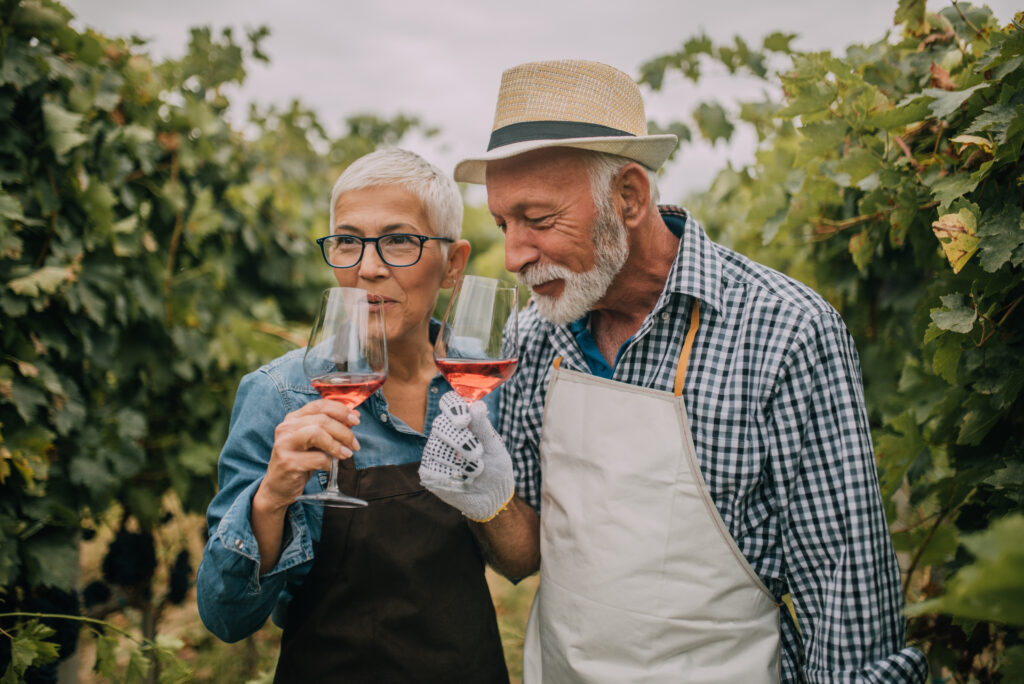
(640, 581)
(396, 593)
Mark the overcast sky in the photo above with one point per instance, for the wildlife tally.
(442, 60)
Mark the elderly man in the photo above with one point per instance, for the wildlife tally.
(697, 419)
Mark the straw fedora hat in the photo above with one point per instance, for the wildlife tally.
(568, 103)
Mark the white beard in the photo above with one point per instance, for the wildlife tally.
(582, 290)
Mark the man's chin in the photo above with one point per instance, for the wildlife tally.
(554, 310)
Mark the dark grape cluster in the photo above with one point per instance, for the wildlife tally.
(95, 593)
(130, 559)
(180, 579)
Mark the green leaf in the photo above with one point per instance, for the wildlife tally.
(45, 280)
(106, 655)
(952, 187)
(1002, 234)
(901, 115)
(947, 359)
(992, 587)
(945, 102)
(51, 560)
(62, 128)
(778, 42)
(713, 122)
(30, 648)
(911, 13)
(138, 666)
(955, 315)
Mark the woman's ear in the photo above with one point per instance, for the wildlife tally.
(458, 256)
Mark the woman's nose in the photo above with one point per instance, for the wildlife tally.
(372, 266)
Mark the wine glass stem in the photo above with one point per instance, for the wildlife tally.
(332, 481)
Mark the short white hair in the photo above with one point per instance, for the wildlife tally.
(602, 168)
(436, 190)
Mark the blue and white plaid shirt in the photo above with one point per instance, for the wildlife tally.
(775, 403)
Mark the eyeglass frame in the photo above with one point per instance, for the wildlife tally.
(376, 244)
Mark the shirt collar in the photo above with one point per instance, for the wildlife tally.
(697, 269)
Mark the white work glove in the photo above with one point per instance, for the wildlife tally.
(465, 463)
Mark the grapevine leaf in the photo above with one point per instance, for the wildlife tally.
(1001, 235)
(942, 103)
(978, 420)
(62, 128)
(45, 280)
(778, 42)
(106, 655)
(895, 452)
(901, 115)
(713, 122)
(138, 666)
(956, 232)
(994, 119)
(50, 560)
(992, 587)
(947, 358)
(949, 188)
(30, 648)
(862, 248)
(911, 13)
(955, 316)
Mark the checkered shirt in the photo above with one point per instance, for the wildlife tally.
(776, 408)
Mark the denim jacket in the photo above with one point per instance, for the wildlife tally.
(234, 599)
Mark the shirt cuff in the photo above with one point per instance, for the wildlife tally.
(236, 537)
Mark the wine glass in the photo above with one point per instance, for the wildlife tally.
(346, 360)
(477, 347)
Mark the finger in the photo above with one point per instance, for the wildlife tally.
(335, 409)
(338, 430)
(455, 407)
(460, 440)
(311, 437)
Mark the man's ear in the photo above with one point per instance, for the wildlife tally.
(633, 194)
(458, 255)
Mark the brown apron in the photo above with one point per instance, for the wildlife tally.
(396, 592)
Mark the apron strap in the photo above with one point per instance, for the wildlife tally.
(684, 355)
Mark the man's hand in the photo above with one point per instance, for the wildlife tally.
(465, 463)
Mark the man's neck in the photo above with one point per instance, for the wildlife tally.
(637, 287)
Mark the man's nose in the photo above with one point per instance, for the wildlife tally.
(520, 249)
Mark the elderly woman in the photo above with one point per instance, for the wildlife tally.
(394, 591)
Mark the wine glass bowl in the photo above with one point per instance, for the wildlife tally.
(346, 361)
(477, 347)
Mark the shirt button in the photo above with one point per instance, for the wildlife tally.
(433, 390)
(664, 315)
(383, 417)
(238, 543)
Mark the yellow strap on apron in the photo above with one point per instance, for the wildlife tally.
(684, 355)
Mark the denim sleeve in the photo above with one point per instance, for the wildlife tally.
(234, 599)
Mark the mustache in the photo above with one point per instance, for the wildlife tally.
(538, 274)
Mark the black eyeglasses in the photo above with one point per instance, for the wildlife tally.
(396, 249)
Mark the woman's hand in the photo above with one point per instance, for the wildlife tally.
(305, 442)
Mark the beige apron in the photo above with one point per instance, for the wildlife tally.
(640, 581)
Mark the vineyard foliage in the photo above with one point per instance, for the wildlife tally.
(151, 253)
(891, 179)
